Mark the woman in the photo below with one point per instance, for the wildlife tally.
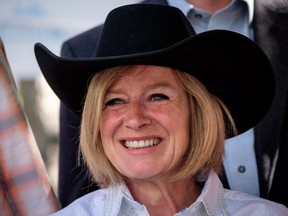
(155, 113)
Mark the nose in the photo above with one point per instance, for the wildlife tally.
(137, 116)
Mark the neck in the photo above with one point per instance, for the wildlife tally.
(210, 6)
(164, 198)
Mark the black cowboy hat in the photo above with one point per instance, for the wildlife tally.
(230, 65)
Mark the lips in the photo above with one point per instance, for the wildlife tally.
(133, 144)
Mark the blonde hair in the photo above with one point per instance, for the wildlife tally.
(207, 129)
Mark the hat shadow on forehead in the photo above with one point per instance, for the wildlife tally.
(230, 65)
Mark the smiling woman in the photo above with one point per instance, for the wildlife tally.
(159, 103)
(148, 106)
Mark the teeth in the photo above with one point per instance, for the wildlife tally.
(141, 143)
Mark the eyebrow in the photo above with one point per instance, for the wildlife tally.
(150, 87)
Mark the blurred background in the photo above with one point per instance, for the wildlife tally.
(22, 24)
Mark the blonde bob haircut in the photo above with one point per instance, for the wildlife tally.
(208, 128)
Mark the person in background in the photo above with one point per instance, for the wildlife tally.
(254, 162)
(156, 103)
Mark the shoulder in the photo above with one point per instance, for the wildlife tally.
(238, 203)
(90, 204)
(82, 45)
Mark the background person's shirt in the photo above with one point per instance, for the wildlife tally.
(239, 159)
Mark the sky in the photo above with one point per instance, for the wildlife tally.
(51, 22)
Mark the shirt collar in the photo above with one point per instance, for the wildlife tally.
(185, 7)
(209, 202)
(120, 201)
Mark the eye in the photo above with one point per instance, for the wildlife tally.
(114, 101)
(158, 97)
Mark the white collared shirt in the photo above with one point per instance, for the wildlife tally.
(213, 200)
(239, 160)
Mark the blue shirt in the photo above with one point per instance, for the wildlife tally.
(213, 200)
(236, 16)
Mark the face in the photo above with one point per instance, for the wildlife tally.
(145, 123)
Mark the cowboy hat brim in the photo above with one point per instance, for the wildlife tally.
(219, 59)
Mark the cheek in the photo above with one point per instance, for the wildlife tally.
(107, 131)
(176, 118)
(179, 124)
(108, 128)
(108, 123)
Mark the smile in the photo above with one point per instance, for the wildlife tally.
(141, 143)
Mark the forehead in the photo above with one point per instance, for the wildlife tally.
(145, 73)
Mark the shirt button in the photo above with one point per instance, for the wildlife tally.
(241, 169)
(199, 16)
